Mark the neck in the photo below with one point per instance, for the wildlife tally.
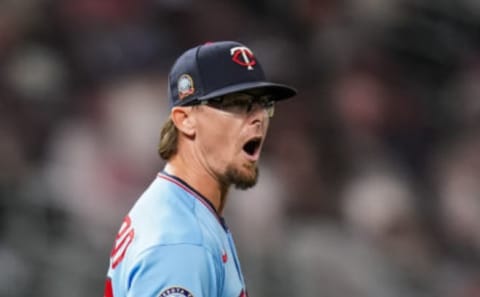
(201, 180)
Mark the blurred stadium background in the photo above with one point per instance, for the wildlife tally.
(369, 181)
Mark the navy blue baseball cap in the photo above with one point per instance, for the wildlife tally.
(215, 69)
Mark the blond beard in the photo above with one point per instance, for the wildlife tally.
(240, 180)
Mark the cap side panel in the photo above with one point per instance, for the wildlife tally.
(200, 90)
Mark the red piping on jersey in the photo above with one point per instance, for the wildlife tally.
(200, 198)
(108, 291)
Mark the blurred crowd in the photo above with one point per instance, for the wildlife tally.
(369, 182)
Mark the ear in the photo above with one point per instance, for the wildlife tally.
(184, 120)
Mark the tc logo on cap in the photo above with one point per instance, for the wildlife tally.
(185, 86)
(242, 55)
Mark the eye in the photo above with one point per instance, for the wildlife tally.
(242, 103)
(235, 103)
(265, 103)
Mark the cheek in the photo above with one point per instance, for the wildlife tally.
(218, 139)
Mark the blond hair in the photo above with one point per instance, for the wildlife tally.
(168, 140)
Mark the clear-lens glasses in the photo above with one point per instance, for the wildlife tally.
(242, 103)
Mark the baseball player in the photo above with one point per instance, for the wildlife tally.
(174, 241)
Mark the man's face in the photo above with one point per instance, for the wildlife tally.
(230, 136)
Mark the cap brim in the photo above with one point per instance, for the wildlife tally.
(278, 91)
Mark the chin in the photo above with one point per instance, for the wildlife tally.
(241, 179)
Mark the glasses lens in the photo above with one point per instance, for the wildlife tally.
(270, 108)
(242, 103)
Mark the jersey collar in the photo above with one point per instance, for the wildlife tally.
(185, 186)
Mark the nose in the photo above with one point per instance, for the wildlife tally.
(258, 115)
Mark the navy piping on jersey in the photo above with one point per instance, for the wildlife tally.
(182, 184)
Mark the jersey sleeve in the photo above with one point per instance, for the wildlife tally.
(175, 270)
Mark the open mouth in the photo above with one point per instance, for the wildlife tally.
(252, 146)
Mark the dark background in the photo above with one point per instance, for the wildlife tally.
(369, 180)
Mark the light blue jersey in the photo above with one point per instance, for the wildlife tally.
(173, 243)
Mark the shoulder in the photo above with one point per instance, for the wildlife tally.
(165, 214)
(167, 229)
(168, 214)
